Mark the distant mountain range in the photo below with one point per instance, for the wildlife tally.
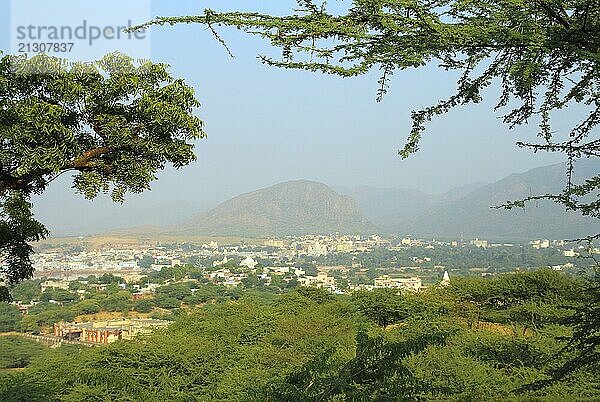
(292, 208)
(472, 216)
(307, 207)
(390, 209)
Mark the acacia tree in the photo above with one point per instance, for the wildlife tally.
(112, 124)
(544, 54)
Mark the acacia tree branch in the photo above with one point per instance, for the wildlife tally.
(553, 14)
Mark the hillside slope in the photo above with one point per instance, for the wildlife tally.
(473, 216)
(391, 208)
(291, 208)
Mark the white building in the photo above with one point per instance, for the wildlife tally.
(445, 279)
(480, 243)
(249, 263)
(538, 244)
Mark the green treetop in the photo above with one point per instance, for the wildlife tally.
(112, 124)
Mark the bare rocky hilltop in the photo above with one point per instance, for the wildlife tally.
(291, 208)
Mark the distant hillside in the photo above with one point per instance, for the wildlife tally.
(292, 208)
(472, 216)
(391, 208)
(305, 207)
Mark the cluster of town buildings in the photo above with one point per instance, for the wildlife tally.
(130, 262)
(133, 262)
(127, 260)
(228, 278)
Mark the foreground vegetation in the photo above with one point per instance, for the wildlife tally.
(474, 340)
(16, 353)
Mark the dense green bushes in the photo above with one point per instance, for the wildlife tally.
(9, 318)
(16, 352)
(463, 342)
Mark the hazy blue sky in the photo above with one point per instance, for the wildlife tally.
(267, 125)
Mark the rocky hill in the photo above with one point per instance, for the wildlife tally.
(291, 208)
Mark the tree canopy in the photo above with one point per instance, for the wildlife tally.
(308, 345)
(112, 124)
(544, 55)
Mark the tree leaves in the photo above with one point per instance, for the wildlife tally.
(113, 124)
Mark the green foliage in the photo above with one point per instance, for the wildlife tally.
(585, 341)
(16, 352)
(514, 352)
(87, 307)
(146, 261)
(382, 306)
(76, 285)
(177, 291)
(203, 294)
(113, 123)
(447, 373)
(9, 317)
(310, 269)
(59, 295)
(317, 295)
(167, 302)
(120, 301)
(27, 291)
(174, 273)
(533, 298)
(144, 306)
(252, 281)
(109, 279)
(307, 344)
(17, 229)
(375, 373)
(222, 352)
(45, 315)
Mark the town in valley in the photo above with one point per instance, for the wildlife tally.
(142, 284)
